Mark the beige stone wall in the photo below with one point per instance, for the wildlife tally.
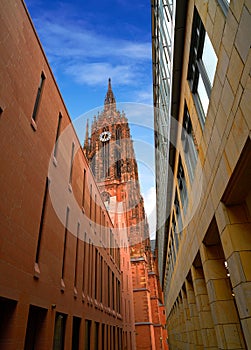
(208, 298)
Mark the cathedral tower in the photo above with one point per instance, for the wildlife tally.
(109, 150)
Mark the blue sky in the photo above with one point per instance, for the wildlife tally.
(88, 41)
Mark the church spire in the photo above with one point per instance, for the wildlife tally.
(110, 102)
(109, 84)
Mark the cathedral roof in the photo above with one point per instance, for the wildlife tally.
(107, 118)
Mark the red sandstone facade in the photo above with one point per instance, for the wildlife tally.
(60, 283)
(110, 152)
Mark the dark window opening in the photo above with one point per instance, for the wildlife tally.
(93, 165)
(75, 333)
(189, 143)
(96, 274)
(83, 194)
(118, 135)
(42, 220)
(57, 134)
(96, 336)
(88, 325)
(113, 292)
(105, 159)
(65, 242)
(118, 163)
(108, 286)
(59, 331)
(202, 66)
(38, 97)
(90, 201)
(76, 256)
(35, 328)
(71, 164)
(90, 277)
(95, 209)
(101, 279)
(85, 266)
(7, 314)
(182, 185)
(178, 213)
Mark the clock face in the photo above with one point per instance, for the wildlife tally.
(105, 136)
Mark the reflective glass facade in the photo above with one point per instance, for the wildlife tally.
(162, 28)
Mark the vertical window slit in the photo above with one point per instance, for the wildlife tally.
(90, 201)
(109, 286)
(101, 279)
(38, 97)
(71, 166)
(76, 256)
(57, 135)
(89, 267)
(96, 274)
(42, 219)
(95, 209)
(84, 265)
(65, 241)
(83, 194)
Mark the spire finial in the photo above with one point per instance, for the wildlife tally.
(110, 102)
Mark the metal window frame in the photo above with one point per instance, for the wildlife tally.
(196, 66)
(224, 4)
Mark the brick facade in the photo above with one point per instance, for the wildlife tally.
(60, 285)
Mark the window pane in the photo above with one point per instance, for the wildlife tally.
(203, 95)
(209, 59)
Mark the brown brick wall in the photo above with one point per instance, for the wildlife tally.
(35, 286)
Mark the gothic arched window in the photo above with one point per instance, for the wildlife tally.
(105, 159)
(118, 163)
(93, 165)
(118, 135)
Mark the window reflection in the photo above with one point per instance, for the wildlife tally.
(203, 95)
(209, 59)
(202, 67)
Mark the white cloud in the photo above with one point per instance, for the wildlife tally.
(90, 57)
(145, 95)
(97, 73)
(75, 41)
